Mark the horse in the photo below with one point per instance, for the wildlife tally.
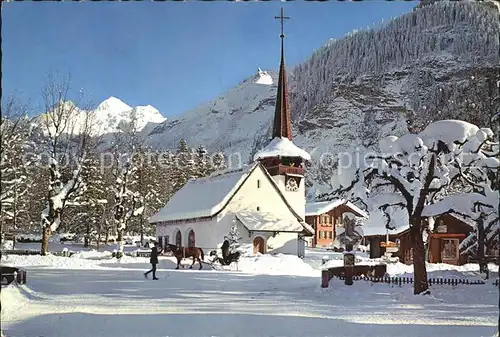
(185, 252)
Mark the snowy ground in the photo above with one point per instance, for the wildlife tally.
(92, 294)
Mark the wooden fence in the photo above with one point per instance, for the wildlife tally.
(20, 252)
(397, 280)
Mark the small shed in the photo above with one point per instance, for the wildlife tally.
(445, 236)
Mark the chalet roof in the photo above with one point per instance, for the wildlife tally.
(269, 222)
(321, 207)
(281, 147)
(459, 217)
(206, 197)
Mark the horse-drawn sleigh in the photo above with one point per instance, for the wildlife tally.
(197, 255)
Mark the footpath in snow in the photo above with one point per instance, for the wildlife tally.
(92, 294)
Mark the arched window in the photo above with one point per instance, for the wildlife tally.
(191, 239)
(178, 238)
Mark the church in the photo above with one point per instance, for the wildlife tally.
(266, 199)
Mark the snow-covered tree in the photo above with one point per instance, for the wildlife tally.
(66, 144)
(407, 175)
(477, 165)
(127, 200)
(127, 203)
(97, 197)
(15, 130)
(404, 43)
(234, 238)
(147, 174)
(203, 166)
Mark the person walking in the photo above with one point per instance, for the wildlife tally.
(154, 261)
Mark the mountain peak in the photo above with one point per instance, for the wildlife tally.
(113, 104)
(263, 77)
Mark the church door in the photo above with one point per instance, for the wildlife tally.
(178, 239)
(258, 245)
(191, 239)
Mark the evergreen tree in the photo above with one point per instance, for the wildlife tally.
(127, 203)
(96, 198)
(15, 132)
(234, 238)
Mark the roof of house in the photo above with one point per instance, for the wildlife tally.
(269, 222)
(321, 207)
(356, 209)
(399, 221)
(281, 147)
(464, 219)
(206, 197)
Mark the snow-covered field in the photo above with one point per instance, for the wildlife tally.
(92, 294)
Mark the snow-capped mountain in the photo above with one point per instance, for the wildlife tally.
(112, 113)
(436, 62)
(111, 116)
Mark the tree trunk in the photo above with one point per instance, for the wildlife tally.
(142, 231)
(119, 243)
(87, 235)
(45, 241)
(375, 247)
(99, 235)
(420, 284)
(483, 265)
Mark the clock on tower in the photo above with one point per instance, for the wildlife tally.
(291, 184)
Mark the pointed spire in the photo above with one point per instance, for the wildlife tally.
(281, 127)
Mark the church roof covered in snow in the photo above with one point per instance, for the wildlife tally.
(321, 207)
(281, 147)
(206, 197)
(268, 222)
(203, 197)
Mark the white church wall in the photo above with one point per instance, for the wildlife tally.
(284, 243)
(258, 195)
(203, 231)
(296, 199)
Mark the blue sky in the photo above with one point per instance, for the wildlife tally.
(172, 55)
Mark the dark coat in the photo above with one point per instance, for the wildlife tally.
(154, 255)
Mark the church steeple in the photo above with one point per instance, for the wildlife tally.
(281, 127)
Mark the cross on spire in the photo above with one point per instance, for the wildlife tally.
(281, 127)
(281, 17)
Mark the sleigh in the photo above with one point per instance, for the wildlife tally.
(228, 261)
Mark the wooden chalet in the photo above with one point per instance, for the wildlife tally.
(442, 244)
(326, 216)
